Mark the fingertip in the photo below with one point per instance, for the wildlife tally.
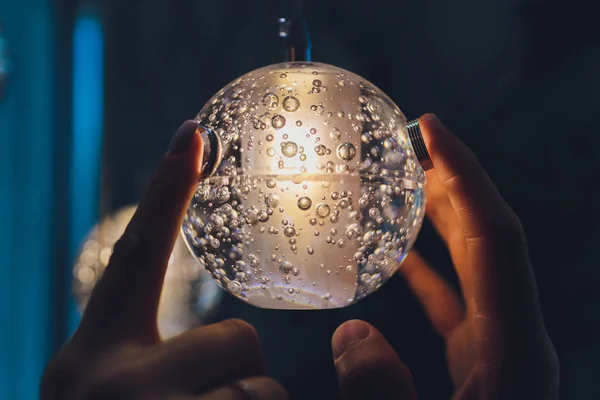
(428, 117)
(186, 144)
(348, 334)
(439, 143)
(427, 121)
(183, 137)
(367, 366)
(433, 131)
(450, 155)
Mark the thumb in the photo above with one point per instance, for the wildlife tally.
(367, 366)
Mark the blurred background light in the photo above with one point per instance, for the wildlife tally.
(89, 80)
(27, 182)
(87, 129)
(189, 297)
(4, 62)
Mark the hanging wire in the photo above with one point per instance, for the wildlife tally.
(293, 30)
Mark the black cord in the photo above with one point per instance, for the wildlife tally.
(293, 30)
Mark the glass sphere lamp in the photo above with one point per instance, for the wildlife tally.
(312, 191)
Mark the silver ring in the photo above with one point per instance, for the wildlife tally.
(212, 152)
(418, 144)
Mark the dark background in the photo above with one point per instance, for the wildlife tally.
(518, 81)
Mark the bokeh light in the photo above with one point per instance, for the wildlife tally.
(189, 295)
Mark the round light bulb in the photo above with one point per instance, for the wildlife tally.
(189, 294)
(314, 193)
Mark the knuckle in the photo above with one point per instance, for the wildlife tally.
(126, 254)
(502, 227)
(369, 359)
(69, 376)
(243, 331)
(509, 229)
(350, 370)
(118, 385)
(160, 185)
(127, 244)
(274, 386)
(58, 377)
(516, 226)
(263, 386)
(244, 344)
(385, 374)
(454, 179)
(75, 373)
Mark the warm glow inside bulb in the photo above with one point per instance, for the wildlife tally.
(318, 196)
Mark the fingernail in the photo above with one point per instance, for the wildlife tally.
(431, 117)
(347, 335)
(182, 138)
(435, 121)
(434, 127)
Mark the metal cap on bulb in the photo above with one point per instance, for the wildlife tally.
(418, 144)
(212, 152)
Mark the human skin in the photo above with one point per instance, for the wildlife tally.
(496, 341)
(117, 353)
(497, 346)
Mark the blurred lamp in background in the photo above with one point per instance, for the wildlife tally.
(189, 294)
(4, 63)
(312, 192)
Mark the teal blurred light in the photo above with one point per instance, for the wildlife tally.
(27, 116)
(28, 165)
(87, 122)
